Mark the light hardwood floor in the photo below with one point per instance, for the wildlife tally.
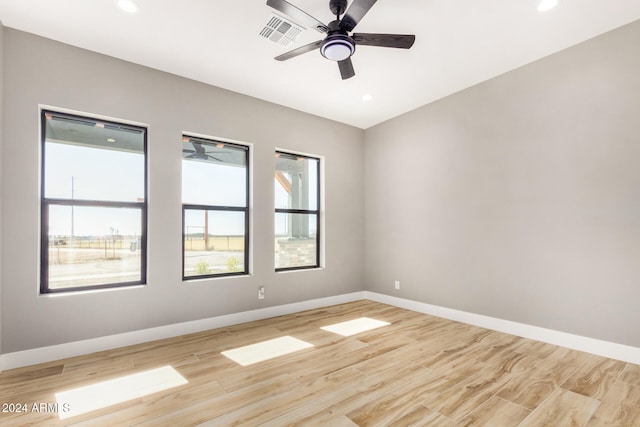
(419, 370)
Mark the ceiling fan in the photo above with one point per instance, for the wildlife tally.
(198, 152)
(338, 45)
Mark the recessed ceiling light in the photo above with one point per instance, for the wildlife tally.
(546, 5)
(367, 97)
(128, 6)
(111, 140)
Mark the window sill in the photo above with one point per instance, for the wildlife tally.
(300, 270)
(90, 291)
(213, 278)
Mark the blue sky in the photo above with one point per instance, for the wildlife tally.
(94, 175)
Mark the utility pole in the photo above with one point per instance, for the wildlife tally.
(206, 230)
(73, 192)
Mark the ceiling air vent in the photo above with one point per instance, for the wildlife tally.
(281, 31)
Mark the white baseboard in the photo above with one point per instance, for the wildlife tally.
(590, 345)
(78, 348)
(61, 351)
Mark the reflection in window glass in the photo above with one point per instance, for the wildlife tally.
(215, 208)
(93, 203)
(213, 174)
(297, 215)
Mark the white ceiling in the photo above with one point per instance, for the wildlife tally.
(458, 43)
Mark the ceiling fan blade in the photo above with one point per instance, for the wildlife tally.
(297, 15)
(198, 147)
(355, 13)
(402, 41)
(346, 69)
(299, 51)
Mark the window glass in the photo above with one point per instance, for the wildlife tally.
(214, 242)
(215, 208)
(104, 249)
(93, 171)
(297, 216)
(213, 173)
(296, 240)
(93, 203)
(297, 177)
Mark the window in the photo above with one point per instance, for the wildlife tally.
(297, 217)
(93, 202)
(215, 210)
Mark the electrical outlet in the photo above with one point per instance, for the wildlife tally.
(261, 292)
(397, 284)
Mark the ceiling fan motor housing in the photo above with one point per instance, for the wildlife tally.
(338, 45)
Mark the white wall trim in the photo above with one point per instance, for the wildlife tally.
(590, 345)
(61, 351)
(78, 348)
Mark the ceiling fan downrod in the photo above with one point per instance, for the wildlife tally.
(338, 7)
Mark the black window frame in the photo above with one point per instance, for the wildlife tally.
(46, 202)
(315, 212)
(221, 208)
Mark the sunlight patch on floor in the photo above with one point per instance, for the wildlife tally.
(107, 393)
(265, 350)
(355, 326)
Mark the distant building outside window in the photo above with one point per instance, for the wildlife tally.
(93, 203)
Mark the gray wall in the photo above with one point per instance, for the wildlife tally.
(40, 71)
(1, 133)
(518, 198)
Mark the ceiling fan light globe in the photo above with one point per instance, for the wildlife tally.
(337, 48)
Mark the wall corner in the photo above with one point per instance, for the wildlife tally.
(1, 191)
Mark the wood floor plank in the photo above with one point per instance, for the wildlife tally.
(417, 370)
(202, 410)
(27, 378)
(496, 412)
(620, 407)
(410, 390)
(340, 421)
(631, 374)
(156, 405)
(536, 349)
(509, 362)
(562, 408)
(435, 359)
(389, 410)
(457, 402)
(414, 414)
(559, 365)
(324, 406)
(528, 392)
(263, 412)
(594, 377)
